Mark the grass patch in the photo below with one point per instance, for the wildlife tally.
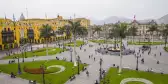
(59, 78)
(134, 82)
(78, 43)
(103, 41)
(166, 49)
(39, 52)
(145, 43)
(114, 78)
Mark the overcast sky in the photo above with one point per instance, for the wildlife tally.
(98, 9)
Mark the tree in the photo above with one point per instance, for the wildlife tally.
(121, 29)
(133, 32)
(113, 34)
(83, 32)
(97, 29)
(152, 28)
(62, 30)
(165, 33)
(74, 25)
(46, 32)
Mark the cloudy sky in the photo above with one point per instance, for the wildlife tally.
(98, 9)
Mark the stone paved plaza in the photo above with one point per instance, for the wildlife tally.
(93, 67)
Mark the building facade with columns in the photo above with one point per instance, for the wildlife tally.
(142, 28)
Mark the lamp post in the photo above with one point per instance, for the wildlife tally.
(100, 70)
(42, 67)
(78, 63)
(25, 49)
(71, 53)
(23, 54)
(19, 69)
(137, 57)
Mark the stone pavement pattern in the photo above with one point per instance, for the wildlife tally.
(93, 68)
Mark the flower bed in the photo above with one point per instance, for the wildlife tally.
(35, 70)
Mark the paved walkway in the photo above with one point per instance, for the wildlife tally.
(6, 79)
(93, 68)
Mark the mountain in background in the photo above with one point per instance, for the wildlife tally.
(114, 19)
(163, 19)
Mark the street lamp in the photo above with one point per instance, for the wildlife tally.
(100, 70)
(19, 68)
(137, 57)
(78, 63)
(23, 54)
(42, 67)
(71, 53)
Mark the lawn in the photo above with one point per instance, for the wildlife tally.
(102, 41)
(78, 43)
(166, 49)
(114, 78)
(145, 43)
(39, 52)
(59, 78)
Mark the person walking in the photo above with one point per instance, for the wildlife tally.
(87, 73)
(94, 58)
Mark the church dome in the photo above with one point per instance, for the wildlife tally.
(22, 17)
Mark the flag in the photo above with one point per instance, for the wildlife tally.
(134, 17)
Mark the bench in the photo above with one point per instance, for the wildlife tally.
(72, 78)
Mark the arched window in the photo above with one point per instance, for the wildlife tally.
(8, 29)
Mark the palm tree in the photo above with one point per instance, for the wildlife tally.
(151, 29)
(165, 33)
(114, 34)
(62, 30)
(121, 29)
(74, 25)
(82, 32)
(46, 32)
(97, 29)
(133, 32)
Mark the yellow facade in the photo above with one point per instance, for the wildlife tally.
(34, 24)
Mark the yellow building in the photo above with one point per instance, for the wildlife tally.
(21, 30)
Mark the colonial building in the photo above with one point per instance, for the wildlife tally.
(142, 28)
(12, 33)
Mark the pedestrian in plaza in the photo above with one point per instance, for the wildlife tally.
(155, 55)
(87, 73)
(148, 53)
(160, 53)
(96, 82)
(89, 56)
(157, 62)
(94, 58)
